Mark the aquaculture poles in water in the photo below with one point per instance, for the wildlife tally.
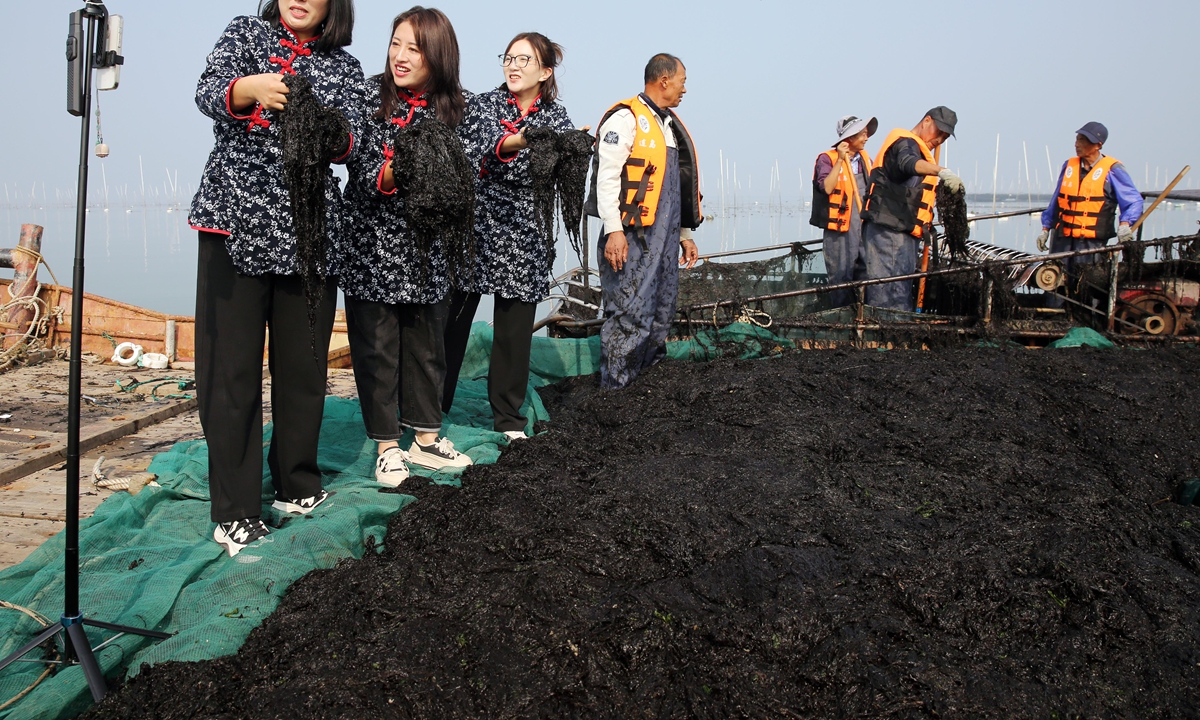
(995, 180)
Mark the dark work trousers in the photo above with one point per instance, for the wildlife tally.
(233, 314)
(458, 331)
(508, 370)
(1073, 266)
(399, 365)
(888, 253)
(640, 298)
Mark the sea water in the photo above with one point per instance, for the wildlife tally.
(145, 255)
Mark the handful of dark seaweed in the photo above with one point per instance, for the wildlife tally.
(952, 211)
(558, 166)
(438, 184)
(310, 135)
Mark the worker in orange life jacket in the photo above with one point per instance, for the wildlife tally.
(1083, 213)
(899, 206)
(646, 191)
(839, 182)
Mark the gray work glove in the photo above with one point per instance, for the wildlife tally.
(1124, 233)
(952, 181)
(1044, 240)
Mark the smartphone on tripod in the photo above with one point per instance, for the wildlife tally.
(107, 54)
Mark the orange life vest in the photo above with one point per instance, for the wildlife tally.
(641, 177)
(832, 211)
(1083, 211)
(900, 207)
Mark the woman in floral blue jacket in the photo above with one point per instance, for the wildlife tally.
(397, 294)
(514, 264)
(247, 279)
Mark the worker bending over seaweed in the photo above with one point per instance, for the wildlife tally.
(646, 191)
(1083, 213)
(267, 253)
(409, 206)
(839, 181)
(514, 245)
(899, 206)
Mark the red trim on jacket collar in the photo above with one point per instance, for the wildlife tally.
(534, 106)
(293, 32)
(414, 102)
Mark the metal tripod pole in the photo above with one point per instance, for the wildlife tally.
(77, 648)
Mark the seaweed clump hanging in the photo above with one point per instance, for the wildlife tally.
(311, 135)
(558, 167)
(438, 184)
(952, 211)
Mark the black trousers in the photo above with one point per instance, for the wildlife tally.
(233, 315)
(508, 372)
(399, 365)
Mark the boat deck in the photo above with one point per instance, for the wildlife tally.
(127, 428)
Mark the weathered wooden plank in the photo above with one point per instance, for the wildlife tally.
(19, 538)
(96, 435)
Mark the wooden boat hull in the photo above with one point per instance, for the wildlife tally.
(107, 323)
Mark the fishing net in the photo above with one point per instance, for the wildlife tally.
(438, 185)
(718, 281)
(952, 211)
(311, 135)
(558, 167)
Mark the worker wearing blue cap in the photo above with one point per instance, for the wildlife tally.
(1092, 189)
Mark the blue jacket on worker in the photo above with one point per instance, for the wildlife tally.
(645, 190)
(1094, 201)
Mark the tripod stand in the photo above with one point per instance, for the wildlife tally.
(84, 53)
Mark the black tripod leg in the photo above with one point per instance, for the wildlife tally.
(30, 646)
(87, 661)
(127, 630)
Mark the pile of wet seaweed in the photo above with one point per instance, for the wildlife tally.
(558, 168)
(952, 213)
(962, 533)
(438, 183)
(311, 136)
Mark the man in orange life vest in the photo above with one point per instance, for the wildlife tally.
(1083, 214)
(899, 206)
(646, 190)
(839, 181)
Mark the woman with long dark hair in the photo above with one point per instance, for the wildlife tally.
(514, 260)
(395, 282)
(249, 276)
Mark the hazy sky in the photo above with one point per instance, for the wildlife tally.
(766, 79)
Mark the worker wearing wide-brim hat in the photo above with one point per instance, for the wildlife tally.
(839, 182)
(1092, 189)
(899, 206)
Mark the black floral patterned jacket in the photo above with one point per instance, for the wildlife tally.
(513, 262)
(242, 194)
(382, 264)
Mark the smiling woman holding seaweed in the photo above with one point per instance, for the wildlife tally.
(520, 138)
(410, 200)
(259, 265)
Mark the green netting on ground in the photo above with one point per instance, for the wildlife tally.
(1080, 337)
(149, 560)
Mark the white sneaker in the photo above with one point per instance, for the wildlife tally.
(516, 435)
(391, 468)
(439, 455)
(239, 534)
(303, 506)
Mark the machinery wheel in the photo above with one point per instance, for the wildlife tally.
(1154, 314)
